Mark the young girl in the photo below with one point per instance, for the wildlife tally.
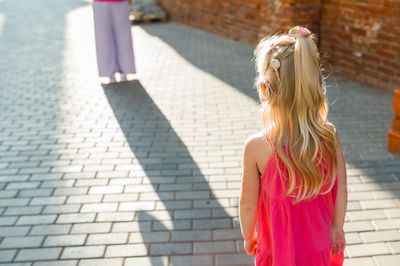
(294, 175)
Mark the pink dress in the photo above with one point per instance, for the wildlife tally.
(293, 235)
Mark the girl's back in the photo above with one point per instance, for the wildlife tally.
(292, 234)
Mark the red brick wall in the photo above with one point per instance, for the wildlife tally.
(235, 19)
(362, 38)
(281, 15)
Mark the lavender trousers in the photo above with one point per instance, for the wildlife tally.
(113, 37)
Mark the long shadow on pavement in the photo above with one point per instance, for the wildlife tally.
(182, 189)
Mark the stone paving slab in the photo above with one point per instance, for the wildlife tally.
(148, 172)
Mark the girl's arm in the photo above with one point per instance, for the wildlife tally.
(338, 238)
(248, 203)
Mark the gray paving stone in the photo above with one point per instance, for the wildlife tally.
(83, 252)
(38, 254)
(147, 261)
(122, 197)
(186, 214)
(75, 218)
(50, 229)
(211, 203)
(106, 239)
(57, 263)
(64, 240)
(191, 235)
(8, 220)
(362, 250)
(101, 262)
(35, 192)
(48, 200)
(131, 226)
(378, 204)
(57, 184)
(176, 225)
(22, 185)
(14, 230)
(170, 249)
(7, 255)
(387, 224)
(71, 191)
(359, 261)
(366, 215)
(128, 250)
(65, 208)
(91, 228)
(84, 199)
(171, 205)
(106, 190)
(17, 264)
(234, 259)
(358, 226)
(115, 216)
(13, 202)
(21, 242)
(23, 210)
(395, 246)
(222, 234)
(212, 223)
(137, 206)
(214, 247)
(99, 183)
(197, 260)
(99, 207)
(380, 236)
(391, 260)
(353, 238)
(148, 237)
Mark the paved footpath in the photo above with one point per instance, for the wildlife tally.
(148, 172)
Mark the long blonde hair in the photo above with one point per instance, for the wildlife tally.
(295, 113)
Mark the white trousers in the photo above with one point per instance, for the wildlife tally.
(113, 38)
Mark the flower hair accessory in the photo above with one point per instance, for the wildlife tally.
(298, 31)
(273, 47)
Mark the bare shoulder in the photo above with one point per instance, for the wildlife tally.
(257, 148)
(254, 141)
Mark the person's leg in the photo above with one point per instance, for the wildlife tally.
(105, 44)
(123, 37)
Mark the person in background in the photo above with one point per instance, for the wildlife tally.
(113, 38)
(294, 173)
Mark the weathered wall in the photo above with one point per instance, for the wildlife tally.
(235, 19)
(362, 39)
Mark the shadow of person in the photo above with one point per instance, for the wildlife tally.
(184, 201)
(227, 60)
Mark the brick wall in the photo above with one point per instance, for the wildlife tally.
(235, 19)
(360, 37)
(281, 15)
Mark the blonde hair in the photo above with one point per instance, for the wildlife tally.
(295, 113)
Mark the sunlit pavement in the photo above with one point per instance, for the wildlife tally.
(147, 172)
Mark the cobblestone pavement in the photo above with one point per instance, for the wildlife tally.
(148, 172)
